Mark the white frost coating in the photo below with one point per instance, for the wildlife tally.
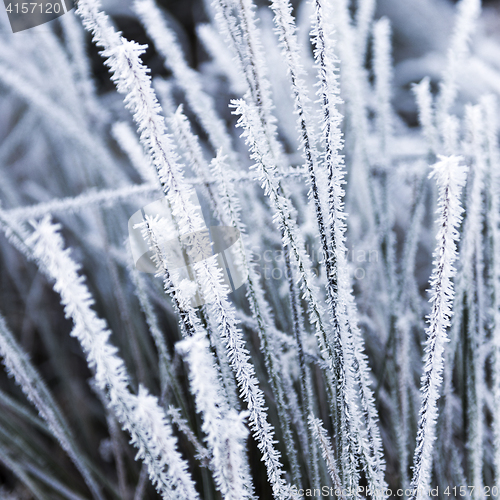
(21, 368)
(140, 414)
(131, 78)
(167, 45)
(426, 113)
(321, 436)
(382, 64)
(450, 177)
(224, 429)
(465, 24)
(363, 420)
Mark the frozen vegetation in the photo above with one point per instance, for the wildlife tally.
(341, 339)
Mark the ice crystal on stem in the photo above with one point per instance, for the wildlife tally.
(450, 175)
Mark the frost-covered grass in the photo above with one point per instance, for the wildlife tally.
(358, 159)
